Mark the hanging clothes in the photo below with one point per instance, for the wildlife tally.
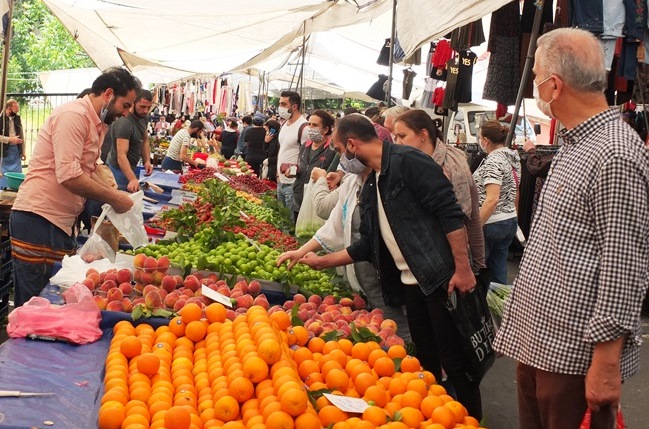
(397, 54)
(384, 54)
(378, 89)
(467, 36)
(429, 59)
(463, 87)
(452, 69)
(414, 59)
(443, 52)
(408, 78)
(587, 14)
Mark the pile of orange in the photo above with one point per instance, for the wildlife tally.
(204, 371)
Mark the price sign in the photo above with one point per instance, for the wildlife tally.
(221, 177)
(215, 296)
(347, 404)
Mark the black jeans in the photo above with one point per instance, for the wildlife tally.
(436, 339)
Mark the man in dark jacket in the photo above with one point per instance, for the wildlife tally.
(412, 229)
(11, 139)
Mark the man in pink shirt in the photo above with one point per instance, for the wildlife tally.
(60, 178)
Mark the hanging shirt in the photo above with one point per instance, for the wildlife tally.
(465, 76)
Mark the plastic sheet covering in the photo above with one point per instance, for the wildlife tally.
(163, 179)
(73, 373)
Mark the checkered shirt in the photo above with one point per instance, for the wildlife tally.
(585, 269)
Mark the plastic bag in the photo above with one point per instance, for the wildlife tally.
(76, 322)
(308, 222)
(264, 169)
(476, 331)
(619, 420)
(95, 247)
(131, 223)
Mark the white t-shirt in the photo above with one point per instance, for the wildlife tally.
(289, 148)
(180, 139)
(407, 277)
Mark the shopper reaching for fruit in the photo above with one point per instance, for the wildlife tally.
(178, 151)
(59, 180)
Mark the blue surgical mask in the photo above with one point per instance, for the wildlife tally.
(353, 166)
(104, 111)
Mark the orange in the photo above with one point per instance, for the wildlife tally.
(375, 415)
(446, 398)
(226, 409)
(329, 346)
(281, 320)
(472, 421)
(215, 312)
(339, 356)
(191, 312)
(374, 355)
(148, 364)
(177, 326)
(397, 351)
(234, 425)
(378, 394)
(301, 335)
(418, 386)
(308, 421)
(360, 351)
(294, 401)
(397, 386)
(363, 381)
(412, 417)
(437, 390)
(130, 347)
(111, 418)
(341, 425)
(195, 330)
(337, 379)
(444, 416)
(458, 409)
(269, 350)
(330, 415)
(411, 398)
(410, 364)
(177, 417)
(255, 369)
(428, 405)
(279, 420)
(301, 354)
(241, 389)
(384, 366)
(315, 344)
(346, 346)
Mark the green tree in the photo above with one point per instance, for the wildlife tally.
(39, 43)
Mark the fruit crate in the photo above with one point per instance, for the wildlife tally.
(6, 270)
(5, 290)
(5, 251)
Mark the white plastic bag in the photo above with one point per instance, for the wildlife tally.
(308, 222)
(264, 169)
(95, 247)
(131, 223)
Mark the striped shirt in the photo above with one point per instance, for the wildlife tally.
(585, 269)
(501, 167)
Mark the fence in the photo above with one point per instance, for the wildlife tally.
(34, 109)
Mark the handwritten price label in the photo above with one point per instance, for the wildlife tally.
(347, 404)
(215, 296)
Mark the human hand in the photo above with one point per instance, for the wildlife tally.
(122, 202)
(333, 179)
(529, 146)
(268, 138)
(15, 140)
(317, 174)
(312, 260)
(463, 280)
(293, 257)
(133, 185)
(148, 168)
(603, 385)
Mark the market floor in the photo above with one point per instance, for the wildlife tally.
(498, 388)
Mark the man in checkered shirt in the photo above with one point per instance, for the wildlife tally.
(573, 319)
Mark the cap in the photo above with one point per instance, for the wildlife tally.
(258, 120)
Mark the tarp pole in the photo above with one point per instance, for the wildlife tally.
(526, 70)
(300, 88)
(393, 36)
(5, 53)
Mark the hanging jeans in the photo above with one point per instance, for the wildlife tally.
(11, 162)
(498, 237)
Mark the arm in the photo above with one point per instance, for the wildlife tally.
(122, 149)
(603, 379)
(490, 202)
(463, 278)
(86, 187)
(474, 230)
(293, 257)
(184, 156)
(146, 155)
(330, 260)
(324, 200)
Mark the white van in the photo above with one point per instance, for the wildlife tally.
(464, 124)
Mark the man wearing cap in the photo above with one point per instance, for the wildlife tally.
(12, 140)
(177, 153)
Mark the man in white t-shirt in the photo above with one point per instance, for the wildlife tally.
(289, 146)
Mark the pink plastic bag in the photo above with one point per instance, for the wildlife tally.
(77, 321)
(619, 421)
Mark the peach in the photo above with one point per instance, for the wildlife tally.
(101, 302)
(124, 276)
(393, 340)
(95, 278)
(149, 288)
(254, 288)
(138, 301)
(195, 300)
(346, 302)
(115, 306)
(114, 294)
(168, 283)
(191, 282)
(315, 299)
(179, 304)
(152, 299)
(389, 324)
(111, 276)
(230, 314)
(243, 285)
(358, 303)
(91, 271)
(171, 299)
(157, 277)
(299, 298)
(163, 263)
(128, 305)
(289, 304)
(137, 276)
(261, 301)
(236, 293)
(138, 261)
(146, 277)
(224, 290)
(89, 283)
(150, 263)
(187, 292)
(179, 280)
(126, 288)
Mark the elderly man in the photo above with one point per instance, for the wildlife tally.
(390, 115)
(60, 178)
(573, 319)
(412, 229)
(12, 141)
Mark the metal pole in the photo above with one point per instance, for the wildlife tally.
(300, 84)
(393, 36)
(526, 70)
(5, 53)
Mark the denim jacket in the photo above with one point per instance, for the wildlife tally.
(421, 209)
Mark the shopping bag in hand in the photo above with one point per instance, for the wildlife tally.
(308, 222)
(131, 223)
(586, 423)
(476, 330)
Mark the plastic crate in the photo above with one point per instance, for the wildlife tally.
(5, 251)
(6, 269)
(5, 289)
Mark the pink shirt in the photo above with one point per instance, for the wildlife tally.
(68, 145)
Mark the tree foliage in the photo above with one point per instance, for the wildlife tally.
(39, 43)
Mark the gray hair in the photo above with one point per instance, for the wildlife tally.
(395, 111)
(576, 56)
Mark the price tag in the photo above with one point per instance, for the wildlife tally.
(215, 296)
(179, 197)
(221, 177)
(347, 403)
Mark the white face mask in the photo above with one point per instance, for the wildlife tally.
(314, 135)
(284, 112)
(353, 165)
(544, 106)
